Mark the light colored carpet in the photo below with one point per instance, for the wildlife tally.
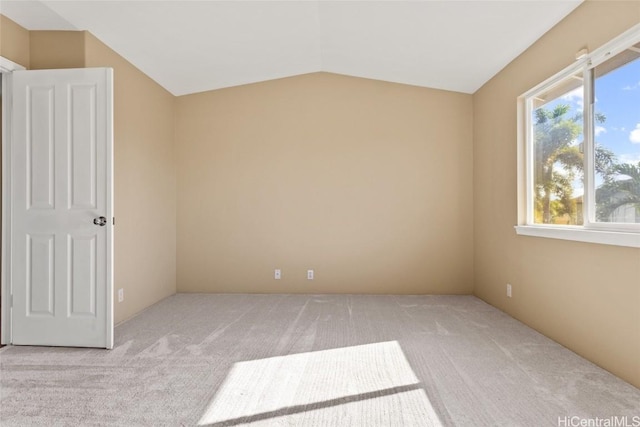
(312, 360)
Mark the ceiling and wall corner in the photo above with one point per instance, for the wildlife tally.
(196, 46)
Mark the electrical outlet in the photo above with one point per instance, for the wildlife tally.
(309, 274)
(508, 290)
(277, 274)
(120, 295)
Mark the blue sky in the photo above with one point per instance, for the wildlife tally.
(618, 98)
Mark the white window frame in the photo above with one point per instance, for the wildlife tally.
(619, 234)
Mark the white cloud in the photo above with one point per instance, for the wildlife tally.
(634, 135)
(577, 93)
(576, 96)
(599, 130)
(632, 87)
(632, 158)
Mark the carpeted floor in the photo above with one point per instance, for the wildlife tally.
(312, 360)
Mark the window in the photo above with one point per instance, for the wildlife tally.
(580, 149)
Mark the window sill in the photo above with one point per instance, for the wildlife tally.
(616, 238)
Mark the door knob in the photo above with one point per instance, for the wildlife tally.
(101, 221)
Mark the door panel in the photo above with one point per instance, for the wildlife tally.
(61, 180)
(40, 148)
(40, 275)
(83, 147)
(83, 275)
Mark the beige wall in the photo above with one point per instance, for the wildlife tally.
(366, 182)
(14, 42)
(57, 49)
(584, 296)
(145, 183)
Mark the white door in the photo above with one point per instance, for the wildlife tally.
(60, 225)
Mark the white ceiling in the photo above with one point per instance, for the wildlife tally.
(194, 46)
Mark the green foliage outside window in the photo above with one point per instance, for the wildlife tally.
(559, 161)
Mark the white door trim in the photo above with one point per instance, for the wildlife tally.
(6, 68)
(111, 215)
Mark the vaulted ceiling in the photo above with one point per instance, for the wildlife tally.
(195, 46)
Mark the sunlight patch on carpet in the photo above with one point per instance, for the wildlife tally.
(371, 382)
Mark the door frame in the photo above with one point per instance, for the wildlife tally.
(6, 68)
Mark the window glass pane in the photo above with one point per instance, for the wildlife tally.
(617, 137)
(557, 117)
